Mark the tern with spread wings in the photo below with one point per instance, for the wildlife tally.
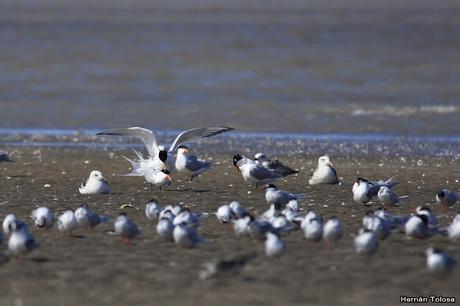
(160, 157)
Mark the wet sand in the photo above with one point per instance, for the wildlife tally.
(94, 268)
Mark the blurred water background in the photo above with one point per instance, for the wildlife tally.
(352, 66)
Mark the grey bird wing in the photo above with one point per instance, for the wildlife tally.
(146, 135)
(262, 173)
(195, 135)
(194, 164)
(275, 164)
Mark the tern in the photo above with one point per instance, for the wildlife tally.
(190, 164)
(273, 195)
(333, 230)
(366, 242)
(21, 241)
(274, 164)
(88, 218)
(439, 262)
(363, 189)
(67, 222)
(274, 245)
(254, 173)
(447, 198)
(126, 228)
(43, 217)
(165, 229)
(161, 158)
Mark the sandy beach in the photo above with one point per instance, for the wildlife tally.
(94, 268)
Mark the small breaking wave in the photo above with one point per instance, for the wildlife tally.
(406, 110)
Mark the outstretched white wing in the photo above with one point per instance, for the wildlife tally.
(146, 135)
(197, 134)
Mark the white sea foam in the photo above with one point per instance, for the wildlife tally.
(406, 110)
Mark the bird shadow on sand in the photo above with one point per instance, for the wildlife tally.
(40, 259)
(191, 190)
(78, 236)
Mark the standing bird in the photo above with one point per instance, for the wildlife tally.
(453, 230)
(5, 157)
(273, 196)
(439, 262)
(21, 242)
(67, 222)
(157, 178)
(237, 209)
(388, 198)
(88, 218)
(417, 227)
(313, 229)
(274, 164)
(95, 184)
(165, 229)
(126, 228)
(152, 210)
(324, 173)
(274, 245)
(8, 223)
(224, 214)
(161, 158)
(190, 164)
(366, 242)
(447, 198)
(254, 173)
(333, 230)
(363, 189)
(186, 236)
(43, 217)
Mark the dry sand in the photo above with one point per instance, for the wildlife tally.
(94, 268)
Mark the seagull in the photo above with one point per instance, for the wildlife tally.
(417, 227)
(95, 184)
(447, 198)
(152, 210)
(274, 164)
(21, 242)
(274, 195)
(8, 223)
(333, 230)
(190, 164)
(274, 245)
(5, 157)
(186, 236)
(67, 222)
(161, 158)
(126, 228)
(224, 214)
(254, 173)
(324, 173)
(313, 229)
(364, 190)
(165, 229)
(282, 225)
(388, 198)
(88, 218)
(43, 217)
(439, 262)
(366, 242)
